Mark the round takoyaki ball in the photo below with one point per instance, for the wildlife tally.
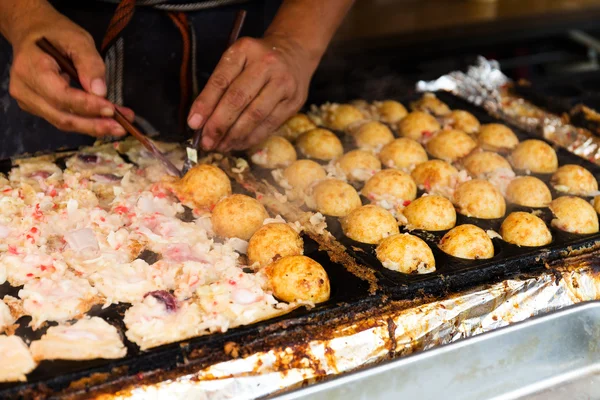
(273, 152)
(574, 214)
(430, 213)
(497, 137)
(405, 253)
(238, 216)
(528, 191)
(203, 186)
(390, 111)
(480, 163)
(273, 241)
(320, 144)
(463, 121)
(450, 145)
(341, 116)
(525, 229)
(434, 173)
(402, 153)
(574, 179)
(369, 224)
(295, 126)
(298, 278)
(358, 165)
(334, 197)
(467, 241)
(372, 136)
(418, 125)
(390, 182)
(478, 198)
(596, 203)
(431, 104)
(302, 173)
(534, 155)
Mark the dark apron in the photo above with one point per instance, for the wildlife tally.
(143, 68)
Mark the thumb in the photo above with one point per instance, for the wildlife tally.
(90, 66)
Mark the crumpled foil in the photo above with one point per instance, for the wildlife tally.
(414, 329)
(484, 84)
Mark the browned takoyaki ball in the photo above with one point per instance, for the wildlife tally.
(390, 111)
(467, 241)
(273, 241)
(528, 191)
(430, 213)
(450, 145)
(479, 199)
(497, 137)
(298, 278)
(295, 126)
(463, 121)
(405, 253)
(369, 224)
(358, 165)
(431, 104)
(320, 144)
(574, 214)
(525, 229)
(403, 153)
(418, 126)
(535, 156)
(574, 179)
(372, 136)
(334, 197)
(238, 216)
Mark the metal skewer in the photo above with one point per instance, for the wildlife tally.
(67, 66)
(194, 144)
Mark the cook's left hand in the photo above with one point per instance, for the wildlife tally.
(256, 86)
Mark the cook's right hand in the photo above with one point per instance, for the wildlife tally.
(39, 87)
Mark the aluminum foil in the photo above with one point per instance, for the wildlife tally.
(485, 85)
(395, 334)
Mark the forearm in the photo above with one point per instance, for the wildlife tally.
(17, 15)
(311, 24)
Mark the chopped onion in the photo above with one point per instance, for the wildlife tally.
(82, 240)
(244, 296)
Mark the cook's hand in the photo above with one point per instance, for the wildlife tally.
(39, 87)
(256, 86)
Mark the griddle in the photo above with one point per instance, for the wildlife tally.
(351, 300)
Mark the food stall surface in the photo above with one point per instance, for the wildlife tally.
(528, 360)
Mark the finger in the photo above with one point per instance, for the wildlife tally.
(50, 85)
(37, 105)
(90, 66)
(232, 105)
(279, 115)
(254, 114)
(228, 68)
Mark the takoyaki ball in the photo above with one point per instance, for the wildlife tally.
(405, 253)
(434, 173)
(478, 198)
(273, 241)
(431, 104)
(418, 125)
(484, 162)
(574, 179)
(450, 145)
(320, 144)
(334, 197)
(525, 229)
(390, 183)
(574, 215)
(467, 241)
(341, 116)
(372, 136)
(403, 153)
(295, 126)
(497, 137)
(298, 278)
(596, 203)
(463, 121)
(430, 213)
(238, 216)
(273, 152)
(302, 173)
(369, 224)
(390, 111)
(528, 191)
(358, 165)
(203, 186)
(535, 156)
